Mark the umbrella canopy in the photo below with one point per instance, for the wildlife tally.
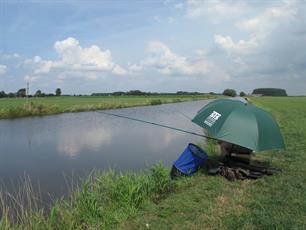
(241, 124)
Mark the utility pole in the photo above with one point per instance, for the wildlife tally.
(27, 94)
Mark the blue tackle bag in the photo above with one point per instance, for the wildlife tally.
(190, 160)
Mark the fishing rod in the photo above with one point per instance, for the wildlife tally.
(153, 123)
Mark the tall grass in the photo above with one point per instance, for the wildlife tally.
(20, 205)
(103, 200)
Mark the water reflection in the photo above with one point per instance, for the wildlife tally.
(73, 141)
(46, 148)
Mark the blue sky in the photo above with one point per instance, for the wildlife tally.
(158, 46)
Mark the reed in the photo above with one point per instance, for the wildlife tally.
(101, 201)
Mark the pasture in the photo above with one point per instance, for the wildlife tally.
(21, 107)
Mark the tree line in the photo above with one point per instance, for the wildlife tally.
(23, 93)
(141, 93)
(227, 92)
(260, 91)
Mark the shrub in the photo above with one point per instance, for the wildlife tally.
(242, 94)
(229, 92)
(156, 102)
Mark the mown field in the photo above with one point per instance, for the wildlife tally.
(150, 200)
(20, 107)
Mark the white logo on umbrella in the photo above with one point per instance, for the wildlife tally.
(212, 118)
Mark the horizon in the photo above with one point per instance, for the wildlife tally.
(153, 46)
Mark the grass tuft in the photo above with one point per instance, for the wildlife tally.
(156, 102)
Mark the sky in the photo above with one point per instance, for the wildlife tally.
(92, 46)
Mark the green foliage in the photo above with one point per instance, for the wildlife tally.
(270, 92)
(2, 94)
(21, 92)
(11, 95)
(58, 92)
(38, 93)
(160, 181)
(103, 200)
(176, 100)
(229, 92)
(242, 94)
(156, 102)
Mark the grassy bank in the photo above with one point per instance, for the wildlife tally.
(104, 200)
(151, 201)
(19, 107)
(275, 202)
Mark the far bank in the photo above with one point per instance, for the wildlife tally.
(23, 107)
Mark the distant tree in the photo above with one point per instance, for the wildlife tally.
(38, 93)
(10, 95)
(230, 92)
(118, 93)
(270, 92)
(2, 94)
(187, 93)
(242, 94)
(58, 92)
(21, 92)
(135, 92)
(43, 95)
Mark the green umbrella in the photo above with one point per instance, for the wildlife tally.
(241, 124)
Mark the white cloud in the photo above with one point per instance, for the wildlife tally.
(214, 10)
(9, 56)
(29, 78)
(91, 76)
(160, 57)
(267, 19)
(73, 57)
(275, 48)
(118, 70)
(261, 26)
(3, 69)
(40, 66)
(241, 47)
(73, 144)
(135, 67)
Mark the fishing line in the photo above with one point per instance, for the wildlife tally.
(153, 123)
(184, 115)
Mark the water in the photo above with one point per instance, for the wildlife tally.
(51, 149)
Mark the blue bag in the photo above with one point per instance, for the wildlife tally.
(190, 160)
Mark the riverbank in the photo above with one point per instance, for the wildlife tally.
(150, 200)
(21, 107)
(274, 202)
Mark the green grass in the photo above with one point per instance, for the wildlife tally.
(274, 202)
(151, 201)
(103, 200)
(17, 107)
